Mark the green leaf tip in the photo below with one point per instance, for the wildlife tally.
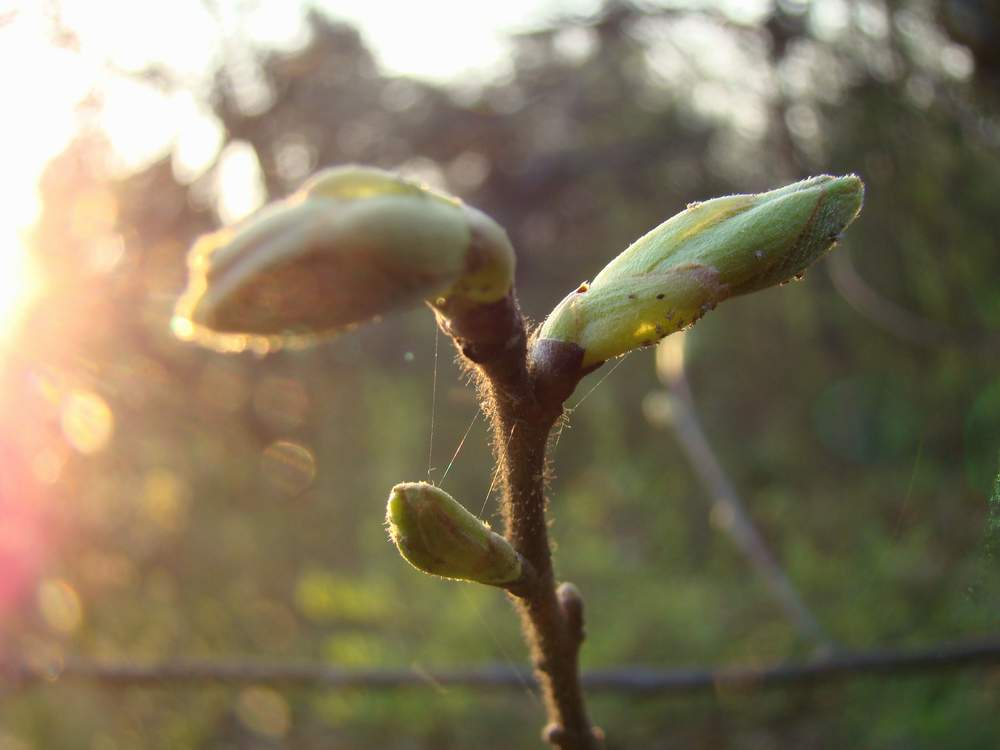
(351, 244)
(436, 534)
(721, 248)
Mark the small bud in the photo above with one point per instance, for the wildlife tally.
(571, 603)
(435, 534)
(559, 736)
(351, 244)
(554, 734)
(721, 248)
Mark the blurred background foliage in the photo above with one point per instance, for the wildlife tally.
(160, 501)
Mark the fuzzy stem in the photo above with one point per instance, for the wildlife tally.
(522, 415)
(553, 641)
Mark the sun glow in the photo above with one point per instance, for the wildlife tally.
(63, 82)
(73, 68)
(40, 123)
(17, 282)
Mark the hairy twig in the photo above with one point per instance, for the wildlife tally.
(519, 402)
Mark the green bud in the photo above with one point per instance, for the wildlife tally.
(352, 244)
(435, 534)
(667, 279)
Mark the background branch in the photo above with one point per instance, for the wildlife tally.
(723, 496)
(898, 320)
(884, 663)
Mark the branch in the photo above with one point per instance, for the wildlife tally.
(739, 525)
(528, 403)
(947, 657)
(897, 320)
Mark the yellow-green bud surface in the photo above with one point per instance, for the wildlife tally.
(435, 534)
(351, 244)
(714, 250)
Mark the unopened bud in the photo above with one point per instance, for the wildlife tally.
(435, 534)
(351, 244)
(571, 603)
(721, 248)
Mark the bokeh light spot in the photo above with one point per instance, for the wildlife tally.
(354, 649)
(239, 182)
(288, 467)
(264, 711)
(165, 498)
(87, 421)
(670, 358)
(59, 605)
(658, 408)
(468, 171)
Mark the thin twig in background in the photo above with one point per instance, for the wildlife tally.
(883, 663)
(726, 502)
(897, 320)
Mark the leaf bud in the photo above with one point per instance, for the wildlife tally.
(352, 244)
(436, 534)
(721, 248)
